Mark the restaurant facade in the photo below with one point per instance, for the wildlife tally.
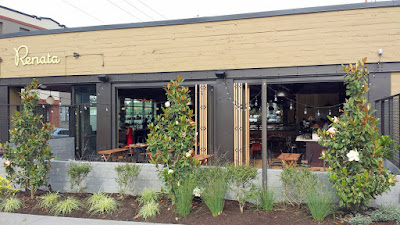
(114, 75)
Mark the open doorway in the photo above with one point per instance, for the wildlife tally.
(294, 113)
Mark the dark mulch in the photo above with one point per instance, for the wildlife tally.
(200, 215)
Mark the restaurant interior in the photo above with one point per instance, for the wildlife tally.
(294, 113)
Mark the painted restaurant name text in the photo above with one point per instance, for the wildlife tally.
(22, 56)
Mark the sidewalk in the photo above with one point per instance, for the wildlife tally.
(25, 219)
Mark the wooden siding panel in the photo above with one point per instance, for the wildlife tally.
(292, 40)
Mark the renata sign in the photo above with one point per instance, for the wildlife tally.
(22, 57)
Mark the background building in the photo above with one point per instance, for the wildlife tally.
(12, 21)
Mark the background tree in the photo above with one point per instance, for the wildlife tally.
(29, 161)
(355, 149)
(171, 139)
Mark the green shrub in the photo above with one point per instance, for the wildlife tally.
(359, 219)
(11, 204)
(297, 184)
(77, 172)
(126, 177)
(320, 203)
(386, 213)
(267, 197)
(241, 178)
(106, 205)
(214, 184)
(356, 150)
(148, 195)
(29, 161)
(95, 198)
(65, 207)
(6, 188)
(48, 200)
(149, 210)
(173, 131)
(184, 195)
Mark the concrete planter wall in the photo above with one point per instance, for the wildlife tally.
(102, 178)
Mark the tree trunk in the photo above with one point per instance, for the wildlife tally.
(32, 192)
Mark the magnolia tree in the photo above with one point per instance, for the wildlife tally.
(29, 161)
(171, 139)
(356, 151)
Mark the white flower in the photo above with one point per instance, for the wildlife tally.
(335, 119)
(197, 192)
(7, 163)
(353, 156)
(331, 131)
(197, 133)
(170, 171)
(167, 104)
(176, 122)
(188, 154)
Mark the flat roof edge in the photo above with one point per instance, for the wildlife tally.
(317, 9)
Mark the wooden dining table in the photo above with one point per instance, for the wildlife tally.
(289, 158)
(203, 159)
(112, 154)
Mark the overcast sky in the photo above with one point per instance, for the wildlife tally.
(80, 13)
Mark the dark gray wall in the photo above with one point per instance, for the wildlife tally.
(4, 114)
(104, 120)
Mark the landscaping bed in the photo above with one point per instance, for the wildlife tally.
(129, 208)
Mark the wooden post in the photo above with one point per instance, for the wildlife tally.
(264, 152)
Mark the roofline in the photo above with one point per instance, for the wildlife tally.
(32, 16)
(297, 11)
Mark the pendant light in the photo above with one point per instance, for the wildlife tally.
(305, 110)
(256, 102)
(330, 112)
(291, 106)
(50, 100)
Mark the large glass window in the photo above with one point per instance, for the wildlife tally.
(86, 121)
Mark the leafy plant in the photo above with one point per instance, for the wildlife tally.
(359, 219)
(77, 173)
(95, 198)
(29, 162)
(320, 203)
(102, 204)
(184, 195)
(49, 200)
(66, 207)
(386, 213)
(148, 195)
(267, 197)
(149, 210)
(356, 151)
(171, 139)
(126, 177)
(6, 187)
(297, 184)
(214, 184)
(241, 178)
(11, 204)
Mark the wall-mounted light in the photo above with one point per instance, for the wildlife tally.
(50, 100)
(220, 74)
(103, 78)
(76, 55)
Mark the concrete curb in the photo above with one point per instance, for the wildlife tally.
(25, 219)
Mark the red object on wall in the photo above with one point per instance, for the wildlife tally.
(53, 112)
